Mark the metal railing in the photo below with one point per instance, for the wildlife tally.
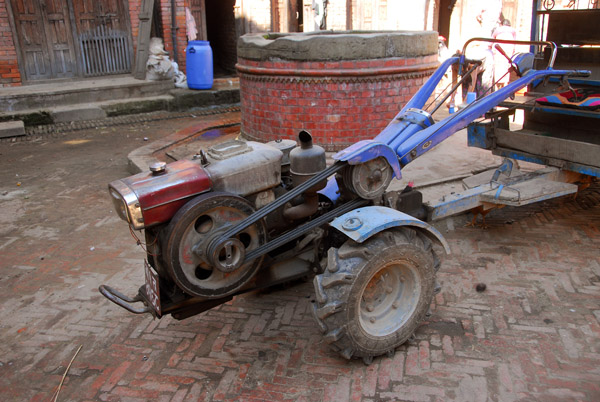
(105, 51)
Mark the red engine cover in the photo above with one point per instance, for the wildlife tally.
(161, 195)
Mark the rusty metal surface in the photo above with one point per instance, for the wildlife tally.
(160, 196)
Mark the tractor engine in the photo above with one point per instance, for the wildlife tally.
(184, 207)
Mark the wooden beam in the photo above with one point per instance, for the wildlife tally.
(539, 143)
(143, 42)
(349, 15)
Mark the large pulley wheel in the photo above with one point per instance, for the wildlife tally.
(198, 262)
(370, 179)
(373, 295)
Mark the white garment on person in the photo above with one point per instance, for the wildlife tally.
(190, 25)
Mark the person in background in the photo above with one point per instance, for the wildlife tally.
(320, 14)
(488, 18)
(443, 52)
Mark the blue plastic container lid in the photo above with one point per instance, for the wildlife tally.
(198, 43)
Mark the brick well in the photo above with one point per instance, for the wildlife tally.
(348, 91)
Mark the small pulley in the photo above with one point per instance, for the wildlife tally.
(369, 180)
(227, 255)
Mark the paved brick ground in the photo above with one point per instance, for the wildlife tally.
(534, 334)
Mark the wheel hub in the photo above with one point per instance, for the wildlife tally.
(389, 299)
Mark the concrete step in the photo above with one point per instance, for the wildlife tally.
(12, 129)
(137, 105)
(69, 113)
(89, 111)
(98, 99)
(42, 96)
(220, 94)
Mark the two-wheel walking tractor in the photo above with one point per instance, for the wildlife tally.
(245, 215)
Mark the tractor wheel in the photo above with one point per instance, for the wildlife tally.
(373, 295)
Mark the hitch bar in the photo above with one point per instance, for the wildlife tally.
(124, 301)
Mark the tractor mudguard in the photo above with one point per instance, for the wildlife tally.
(362, 223)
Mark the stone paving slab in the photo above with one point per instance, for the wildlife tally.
(534, 334)
(12, 129)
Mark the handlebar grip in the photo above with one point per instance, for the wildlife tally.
(471, 61)
(580, 73)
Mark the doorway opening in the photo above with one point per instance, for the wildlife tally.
(222, 35)
(446, 7)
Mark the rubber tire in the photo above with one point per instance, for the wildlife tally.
(340, 288)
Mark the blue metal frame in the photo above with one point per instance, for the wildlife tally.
(540, 160)
(366, 150)
(407, 122)
(422, 141)
(331, 191)
(458, 202)
(413, 132)
(478, 137)
(576, 82)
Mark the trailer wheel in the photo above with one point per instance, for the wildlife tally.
(373, 295)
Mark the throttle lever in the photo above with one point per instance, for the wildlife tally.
(503, 53)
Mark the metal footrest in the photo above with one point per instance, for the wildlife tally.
(527, 192)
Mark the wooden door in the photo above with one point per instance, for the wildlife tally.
(59, 37)
(293, 16)
(445, 7)
(198, 10)
(509, 12)
(89, 14)
(45, 39)
(368, 13)
(103, 36)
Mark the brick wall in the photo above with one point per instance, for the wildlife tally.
(134, 11)
(223, 41)
(229, 47)
(181, 33)
(257, 14)
(338, 102)
(9, 66)
(165, 11)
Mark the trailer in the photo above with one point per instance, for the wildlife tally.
(561, 122)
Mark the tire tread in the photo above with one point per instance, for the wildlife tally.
(333, 288)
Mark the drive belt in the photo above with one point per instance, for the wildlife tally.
(267, 209)
(300, 230)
